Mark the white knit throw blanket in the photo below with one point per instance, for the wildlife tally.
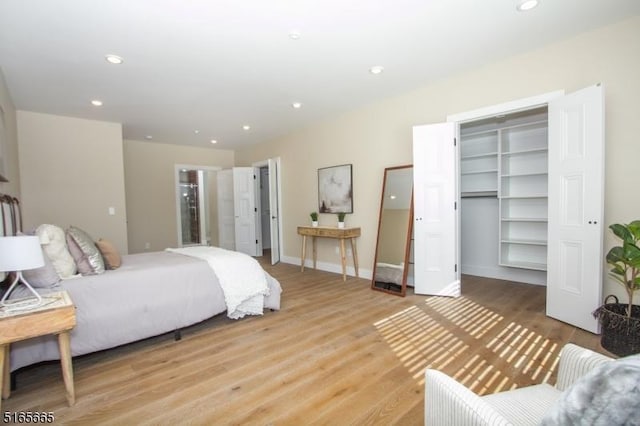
(241, 277)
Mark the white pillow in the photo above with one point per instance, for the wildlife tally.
(54, 244)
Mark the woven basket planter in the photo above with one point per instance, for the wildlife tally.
(620, 333)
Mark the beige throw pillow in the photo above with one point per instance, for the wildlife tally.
(110, 254)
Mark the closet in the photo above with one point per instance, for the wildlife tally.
(515, 191)
(504, 199)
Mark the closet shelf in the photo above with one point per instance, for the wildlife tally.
(510, 175)
(478, 172)
(478, 194)
(484, 154)
(524, 219)
(525, 151)
(525, 265)
(522, 197)
(525, 242)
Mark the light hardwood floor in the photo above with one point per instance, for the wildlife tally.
(337, 353)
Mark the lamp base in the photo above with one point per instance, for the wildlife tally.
(20, 304)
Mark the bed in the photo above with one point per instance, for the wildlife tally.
(150, 294)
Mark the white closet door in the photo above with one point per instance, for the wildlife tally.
(245, 210)
(274, 176)
(435, 216)
(576, 174)
(226, 216)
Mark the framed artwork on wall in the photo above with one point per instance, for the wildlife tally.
(335, 189)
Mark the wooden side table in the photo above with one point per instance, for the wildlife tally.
(330, 232)
(56, 316)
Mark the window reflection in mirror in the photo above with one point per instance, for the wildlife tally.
(391, 266)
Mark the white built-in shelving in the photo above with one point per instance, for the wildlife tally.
(508, 159)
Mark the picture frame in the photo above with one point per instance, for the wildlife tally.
(335, 189)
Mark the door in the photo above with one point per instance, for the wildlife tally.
(436, 214)
(226, 215)
(274, 177)
(245, 210)
(576, 209)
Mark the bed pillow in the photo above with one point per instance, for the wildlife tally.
(110, 255)
(84, 251)
(44, 276)
(54, 244)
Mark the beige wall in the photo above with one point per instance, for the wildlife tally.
(379, 135)
(150, 188)
(71, 172)
(9, 141)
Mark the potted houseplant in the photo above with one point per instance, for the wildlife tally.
(621, 321)
(341, 216)
(314, 219)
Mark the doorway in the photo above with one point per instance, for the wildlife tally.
(196, 201)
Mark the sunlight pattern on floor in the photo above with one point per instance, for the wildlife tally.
(435, 338)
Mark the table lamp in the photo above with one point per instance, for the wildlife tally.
(16, 255)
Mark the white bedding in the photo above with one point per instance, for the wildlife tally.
(241, 277)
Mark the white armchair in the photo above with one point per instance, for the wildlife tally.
(447, 402)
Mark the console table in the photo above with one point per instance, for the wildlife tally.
(341, 234)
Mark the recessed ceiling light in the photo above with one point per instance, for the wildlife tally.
(294, 35)
(114, 59)
(196, 131)
(96, 102)
(524, 5)
(296, 105)
(376, 69)
(214, 141)
(246, 127)
(148, 137)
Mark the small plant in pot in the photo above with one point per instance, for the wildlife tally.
(621, 321)
(314, 218)
(341, 217)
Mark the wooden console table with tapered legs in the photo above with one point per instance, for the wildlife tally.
(341, 234)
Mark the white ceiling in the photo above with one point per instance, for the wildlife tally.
(215, 65)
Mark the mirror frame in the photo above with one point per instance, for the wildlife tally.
(407, 250)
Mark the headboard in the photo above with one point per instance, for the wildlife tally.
(11, 225)
(11, 215)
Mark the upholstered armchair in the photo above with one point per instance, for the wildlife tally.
(448, 402)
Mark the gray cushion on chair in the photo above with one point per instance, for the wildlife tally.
(608, 395)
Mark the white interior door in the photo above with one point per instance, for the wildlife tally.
(435, 212)
(226, 215)
(576, 195)
(245, 210)
(274, 177)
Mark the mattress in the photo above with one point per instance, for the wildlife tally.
(150, 294)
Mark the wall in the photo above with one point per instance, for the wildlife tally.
(71, 172)
(9, 141)
(149, 169)
(379, 135)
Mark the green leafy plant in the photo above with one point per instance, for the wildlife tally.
(625, 259)
(341, 216)
(314, 216)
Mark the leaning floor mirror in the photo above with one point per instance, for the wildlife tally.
(393, 247)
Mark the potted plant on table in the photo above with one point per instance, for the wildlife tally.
(341, 217)
(621, 321)
(314, 219)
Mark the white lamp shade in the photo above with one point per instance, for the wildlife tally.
(20, 253)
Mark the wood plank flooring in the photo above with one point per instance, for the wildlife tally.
(337, 353)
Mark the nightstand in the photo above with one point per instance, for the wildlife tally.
(55, 316)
